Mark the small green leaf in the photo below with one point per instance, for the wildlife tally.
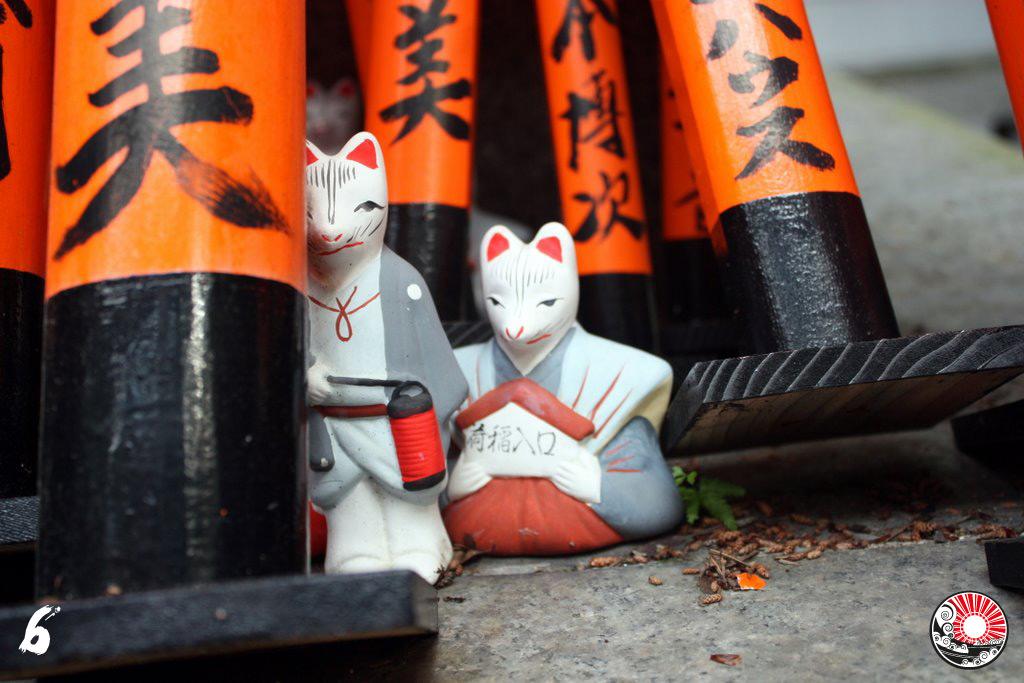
(719, 509)
(691, 477)
(692, 505)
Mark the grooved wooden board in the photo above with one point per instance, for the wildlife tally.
(225, 617)
(859, 388)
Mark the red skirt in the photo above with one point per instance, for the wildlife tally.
(526, 516)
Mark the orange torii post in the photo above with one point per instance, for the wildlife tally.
(419, 102)
(26, 70)
(360, 28)
(689, 284)
(597, 168)
(176, 266)
(776, 172)
(1007, 17)
(787, 221)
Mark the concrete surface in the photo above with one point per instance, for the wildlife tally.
(828, 619)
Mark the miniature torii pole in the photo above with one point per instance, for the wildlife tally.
(360, 29)
(419, 101)
(786, 219)
(695, 318)
(1007, 17)
(596, 162)
(774, 167)
(26, 70)
(173, 351)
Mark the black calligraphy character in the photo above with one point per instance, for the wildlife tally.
(546, 443)
(726, 33)
(608, 202)
(781, 72)
(776, 128)
(23, 15)
(146, 128)
(576, 14)
(424, 58)
(789, 28)
(524, 440)
(691, 198)
(604, 105)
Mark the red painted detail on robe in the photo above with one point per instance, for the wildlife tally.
(317, 533)
(532, 398)
(526, 516)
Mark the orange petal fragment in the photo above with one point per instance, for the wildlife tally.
(750, 582)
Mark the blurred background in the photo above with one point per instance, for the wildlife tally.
(923, 108)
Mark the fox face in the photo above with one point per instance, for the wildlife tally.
(530, 290)
(346, 202)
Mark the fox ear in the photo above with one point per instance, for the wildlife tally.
(362, 148)
(550, 246)
(313, 154)
(497, 246)
(554, 241)
(496, 242)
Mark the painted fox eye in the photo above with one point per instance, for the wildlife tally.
(548, 302)
(368, 206)
(494, 302)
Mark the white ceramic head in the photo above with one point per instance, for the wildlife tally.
(346, 206)
(531, 290)
(332, 114)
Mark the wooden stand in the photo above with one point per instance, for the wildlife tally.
(228, 617)
(859, 388)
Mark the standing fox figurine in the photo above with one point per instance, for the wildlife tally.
(559, 434)
(382, 382)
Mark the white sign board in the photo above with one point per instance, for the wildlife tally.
(512, 442)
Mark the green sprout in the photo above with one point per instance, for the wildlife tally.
(710, 494)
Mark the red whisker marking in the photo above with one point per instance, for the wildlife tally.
(619, 461)
(335, 251)
(609, 418)
(623, 470)
(605, 395)
(534, 341)
(582, 384)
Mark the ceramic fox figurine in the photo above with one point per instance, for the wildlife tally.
(382, 379)
(559, 433)
(332, 114)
